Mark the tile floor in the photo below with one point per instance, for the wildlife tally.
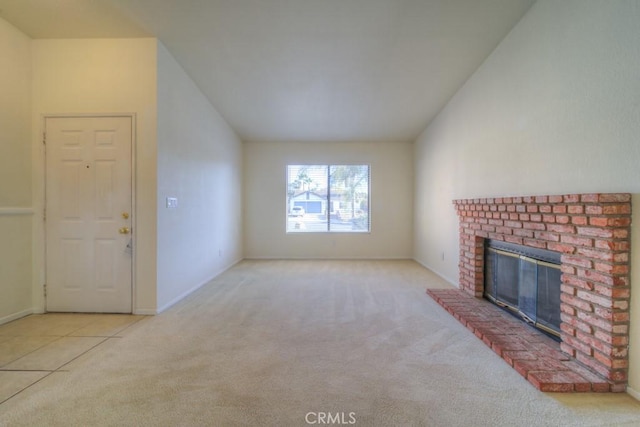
(36, 346)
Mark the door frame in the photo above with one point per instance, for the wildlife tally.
(39, 180)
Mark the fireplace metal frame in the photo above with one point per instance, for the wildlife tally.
(535, 256)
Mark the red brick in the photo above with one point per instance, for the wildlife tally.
(614, 197)
(534, 226)
(513, 239)
(510, 355)
(544, 235)
(579, 220)
(575, 240)
(535, 243)
(541, 199)
(597, 344)
(558, 247)
(596, 277)
(575, 209)
(593, 210)
(523, 233)
(589, 198)
(559, 209)
(577, 260)
(595, 232)
(612, 245)
(578, 345)
(596, 321)
(571, 198)
(620, 233)
(565, 327)
(545, 209)
(617, 209)
(614, 340)
(576, 302)
(555, 199)
(596, 299)
(561, 228)
(575, 322)
(575, 281)
(593, 364)
(598, 221)
(619, 222)
(596, 254)
(548, 218)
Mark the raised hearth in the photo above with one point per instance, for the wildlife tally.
(592, 233)
(532, 354)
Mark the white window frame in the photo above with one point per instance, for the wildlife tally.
(329, 209)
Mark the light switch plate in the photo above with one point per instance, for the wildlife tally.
(172, 202)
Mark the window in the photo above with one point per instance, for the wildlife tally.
(328, 198)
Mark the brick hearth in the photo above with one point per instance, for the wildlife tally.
(532, 354)
(592, 232)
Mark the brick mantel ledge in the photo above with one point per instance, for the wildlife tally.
(592, 232)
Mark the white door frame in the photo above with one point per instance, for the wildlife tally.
(39, 196)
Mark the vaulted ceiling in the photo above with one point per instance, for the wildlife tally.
(302, 70)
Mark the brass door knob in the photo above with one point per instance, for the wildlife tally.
(124, 230)
(125, 215)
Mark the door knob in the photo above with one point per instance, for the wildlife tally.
(125, 215)
(124, 230)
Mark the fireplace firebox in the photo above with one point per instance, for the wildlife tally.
(525, 281)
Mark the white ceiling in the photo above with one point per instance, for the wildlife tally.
(302, 70)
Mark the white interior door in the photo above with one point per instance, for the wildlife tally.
(88, 214)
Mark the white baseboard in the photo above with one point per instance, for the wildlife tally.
(193, 289)
(145, 312)
(14, 316)
(442, 276)
(633, 393)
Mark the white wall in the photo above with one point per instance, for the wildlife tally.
(199, 163)
(555, 109)
(390, 201)
(102, 76)
(15, 173)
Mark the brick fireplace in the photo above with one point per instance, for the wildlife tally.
(592, 232)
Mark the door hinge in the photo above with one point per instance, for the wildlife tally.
(44, 138)
(44, 288)
(44, 214)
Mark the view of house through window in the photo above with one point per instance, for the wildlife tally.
(322, 198)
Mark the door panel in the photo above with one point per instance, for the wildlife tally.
(88, 189)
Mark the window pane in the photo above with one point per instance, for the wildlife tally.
(349, 198)
(322, 198)
(307, 189)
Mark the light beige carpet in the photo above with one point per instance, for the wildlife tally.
(269, 342)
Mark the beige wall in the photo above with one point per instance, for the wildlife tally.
(199, 163)
(553, 110)
(265, 201)
(15, 174)
(103, 76)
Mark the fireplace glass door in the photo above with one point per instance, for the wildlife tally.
(526, 285)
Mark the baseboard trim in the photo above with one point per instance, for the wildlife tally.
(633, 393)
(193, 289)
(15, 316)
(442, 276)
